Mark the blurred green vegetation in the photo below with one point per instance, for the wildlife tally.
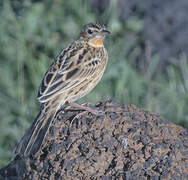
(32, 34)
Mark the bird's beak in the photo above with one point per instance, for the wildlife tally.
(105, 32)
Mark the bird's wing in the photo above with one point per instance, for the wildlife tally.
(71, 69)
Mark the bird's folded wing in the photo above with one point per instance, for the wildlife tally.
(60, 78)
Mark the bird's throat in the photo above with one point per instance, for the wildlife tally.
(96, 42)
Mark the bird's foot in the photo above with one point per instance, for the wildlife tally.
(82, 107)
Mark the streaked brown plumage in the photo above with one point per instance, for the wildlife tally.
(74, 73)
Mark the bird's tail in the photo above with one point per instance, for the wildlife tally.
(33, 138)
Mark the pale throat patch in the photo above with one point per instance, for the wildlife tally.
(96, 42)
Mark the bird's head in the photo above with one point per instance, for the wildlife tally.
(94, 34)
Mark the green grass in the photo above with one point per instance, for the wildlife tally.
(33, 34)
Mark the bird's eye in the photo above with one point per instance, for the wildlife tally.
(89, 31)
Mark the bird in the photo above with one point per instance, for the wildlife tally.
(73, 74)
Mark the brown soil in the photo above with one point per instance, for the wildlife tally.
(125, 143)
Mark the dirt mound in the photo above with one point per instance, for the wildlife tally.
(125, 143)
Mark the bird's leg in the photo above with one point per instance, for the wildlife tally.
(69, 107)
(86, 104)
(83, 107)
